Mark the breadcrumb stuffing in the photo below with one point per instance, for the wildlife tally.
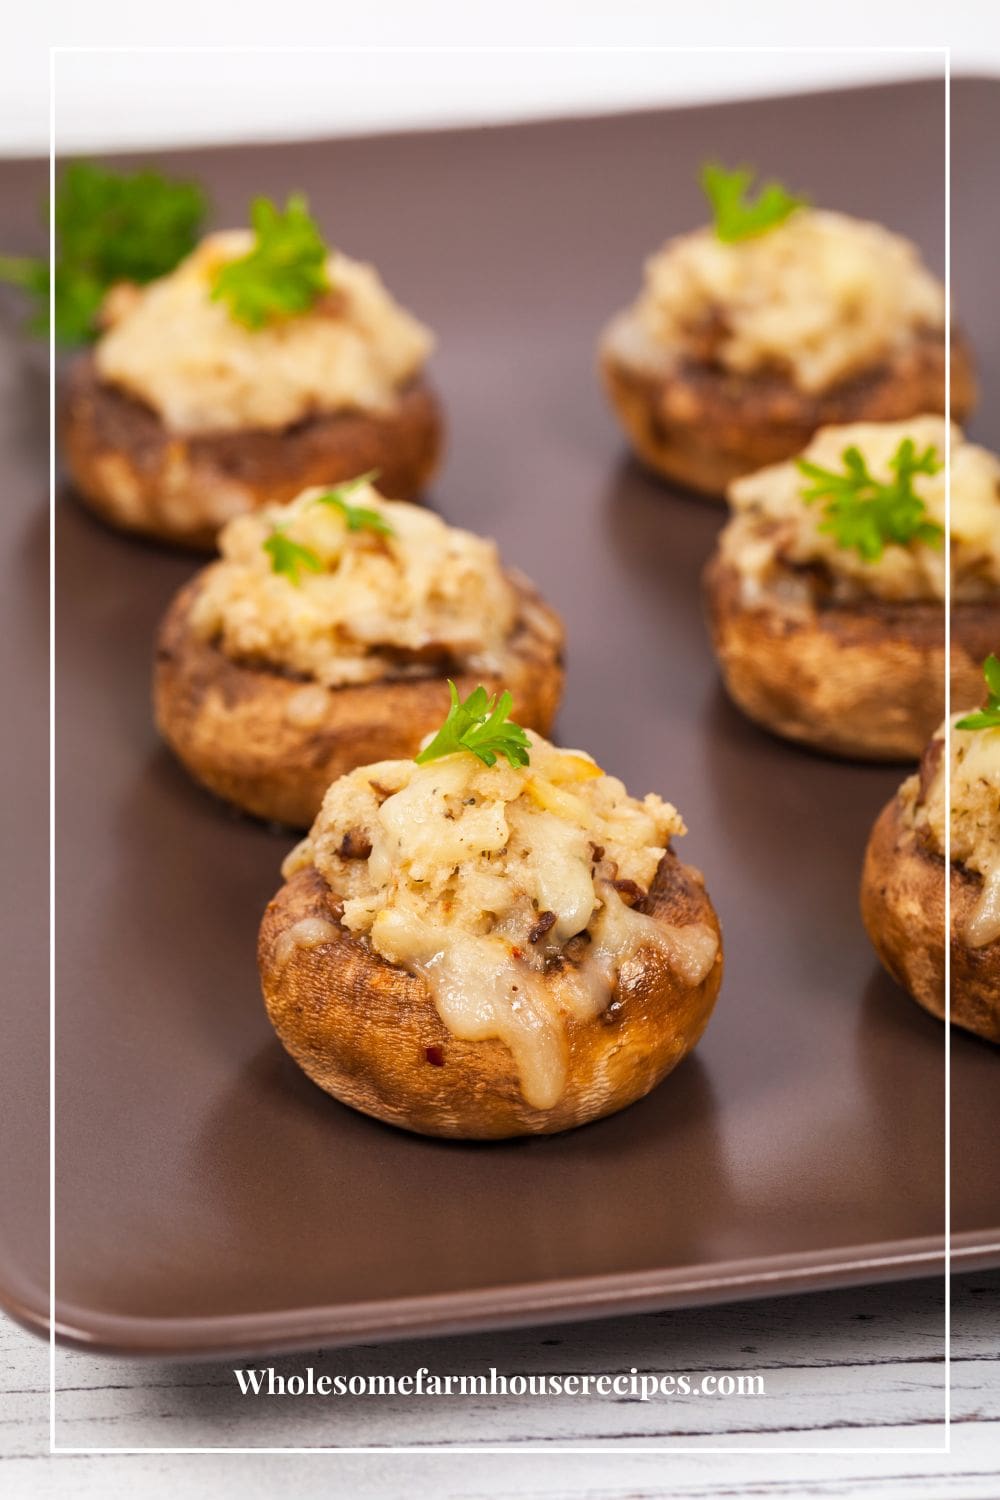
(484, 848)
(426, 596)
(772, 528)
(174, 347)
(974, 812)
(819, 298)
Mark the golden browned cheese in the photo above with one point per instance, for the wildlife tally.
(773, 529)
(819, 298)
(475, 878)
(974, 811)
(181, 352)
(376, 602)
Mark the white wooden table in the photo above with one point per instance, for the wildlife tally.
(859, 1368)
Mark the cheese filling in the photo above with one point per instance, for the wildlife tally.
(774, 537)
(818, 299)
(975, 818)
(178, 350)
(428, 596)
(511, 892)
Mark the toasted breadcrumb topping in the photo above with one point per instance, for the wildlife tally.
(776, 540)
(485, 848)
(426, 598)
(819, 298)
(175, 348)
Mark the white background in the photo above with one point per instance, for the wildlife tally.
(139, 103)
(132, 98)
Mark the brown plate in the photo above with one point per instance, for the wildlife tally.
(208, 1197)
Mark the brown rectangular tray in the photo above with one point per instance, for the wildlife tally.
(208, 1197)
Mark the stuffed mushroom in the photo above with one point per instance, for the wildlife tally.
(265, 362)
(904, 880)
(826, 593)
(778, 319)
(491, 940)
(324, 638)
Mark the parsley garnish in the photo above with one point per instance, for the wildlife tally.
(988, 717)
(109, 228)
(863, 513)
(290, 557)
(736, 216)
(284, 272)
(357, 517)
(480, 725)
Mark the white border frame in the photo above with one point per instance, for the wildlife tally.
(610, 1445)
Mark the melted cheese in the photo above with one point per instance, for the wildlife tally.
(311, 932)
(397, 605)
(479, 876)
(175, 348)
(819, 298)
(618, 937)
(975, 819)
(773, 528)
(481, 992)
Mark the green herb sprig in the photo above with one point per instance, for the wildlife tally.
(109, 228)
(77, 301)
(988, 717)
(862, 513)
(289, 557)
(737, 216)
(482, 726)
(285, 271)
(357, 517)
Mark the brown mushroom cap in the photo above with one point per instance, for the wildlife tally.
(864, 680)
(702, 427)
(368, 1031)
(272, 744)
(136, 474)
(903, 909)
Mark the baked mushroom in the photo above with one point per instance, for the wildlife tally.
(826, 593)
(491, 940)
(903, 885)
(778, 319)
(324, 638)
(264, 363)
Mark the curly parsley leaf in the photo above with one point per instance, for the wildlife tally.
(988, 717)
(482, 726)
(357, 517)
(737, 216)
(862, 513)
(78, 299)
(109, 228)
(285, 271)
(290, 557)
(131, 227)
